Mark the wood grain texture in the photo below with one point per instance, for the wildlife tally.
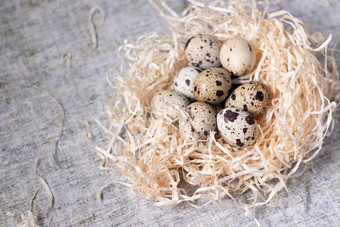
(34, 34)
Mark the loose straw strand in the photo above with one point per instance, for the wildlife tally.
(94, 28)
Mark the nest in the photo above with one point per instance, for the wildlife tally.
(167, 170)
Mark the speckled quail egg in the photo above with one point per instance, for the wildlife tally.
(238, 56)
(184, 81)
(212, 85)
(237, 127)
(200, 120)
(169, 101)
(254, 97)
(203, 51)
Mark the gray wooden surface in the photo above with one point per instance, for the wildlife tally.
(34, 34)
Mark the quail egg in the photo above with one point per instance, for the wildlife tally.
(169, 101)
(200, 120)
(254, 97)
(212, 85)
(238, 56)
(185, 79)
(237, 127)
(203, 51)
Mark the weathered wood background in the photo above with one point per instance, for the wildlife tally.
(34, 34)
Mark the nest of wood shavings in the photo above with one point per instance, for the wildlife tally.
(167, 170)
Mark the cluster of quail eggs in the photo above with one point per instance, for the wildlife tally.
(201, 89)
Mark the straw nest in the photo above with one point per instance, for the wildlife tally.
(167, 170)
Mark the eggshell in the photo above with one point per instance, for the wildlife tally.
(254, 97)
(238, 56)
(212, 85)
(184, 81)
(169, 101)
(237, 127)
(200, 120)
(203, 51)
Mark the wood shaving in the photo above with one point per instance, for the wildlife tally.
(99, 194)
(168, 170)
(30, 220)
(94, 28)
(61, 126)
(277, 2)
(10, 214)
(45, 186)
(324, 3)
(88, 133)
(67, 57)
(77, 208)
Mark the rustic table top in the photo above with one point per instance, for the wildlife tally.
(34, 34)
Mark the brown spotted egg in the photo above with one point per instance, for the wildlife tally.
(254, 97)
(169, 101)
(200, 120)
(212, 85)
(203, 51)
(237, 127)
(238, 56)
(185, 79)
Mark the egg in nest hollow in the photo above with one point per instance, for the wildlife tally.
(168, 101)
(237, 127)
(212, 85)
(199, 121)
(254, 97)
(203, 51)
(238, 56)
(184, 81)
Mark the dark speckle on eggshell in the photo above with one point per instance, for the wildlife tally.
(230, 115)
(250, 120)
(219, 93)
(239, 143)
(259, 96)
(187, 82)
